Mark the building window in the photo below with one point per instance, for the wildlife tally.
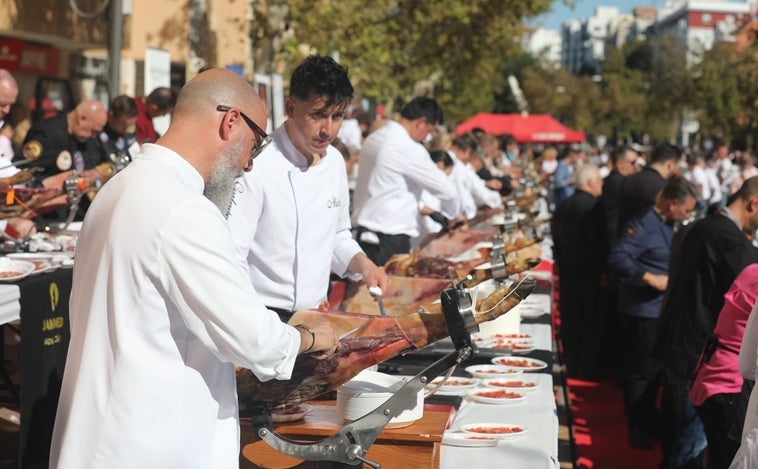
(707, 18)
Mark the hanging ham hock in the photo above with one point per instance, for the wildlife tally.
(377, 340)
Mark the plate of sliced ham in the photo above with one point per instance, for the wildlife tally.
(469, 439)
(521, 363)
(290, 414)
(492, 371)
(500, 396)
(453, 385)
(516, 384)
(12, 269)
(499, 430)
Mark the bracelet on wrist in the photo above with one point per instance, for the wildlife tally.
(313, 336)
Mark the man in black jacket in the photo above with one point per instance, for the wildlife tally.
(580, 251)
(705, 260)
(622, 165)
(638, 190)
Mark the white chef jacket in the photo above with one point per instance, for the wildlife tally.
(426, 226)
(160, 312)
(350, 134)
(473, 190)
(291, 224)
(394, 170)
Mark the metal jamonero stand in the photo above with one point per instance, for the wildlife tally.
(75, 187)
(351, 444)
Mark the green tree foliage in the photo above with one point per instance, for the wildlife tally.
(462, 51)
(727, 95)
(648, 88)
(453, 50)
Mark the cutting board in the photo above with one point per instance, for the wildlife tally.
(414, 446)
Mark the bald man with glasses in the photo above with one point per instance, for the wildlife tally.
(161, 311)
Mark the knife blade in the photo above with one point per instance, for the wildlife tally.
(381, 307)
(352, 331)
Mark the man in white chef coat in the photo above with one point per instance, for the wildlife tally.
(474, 191)
(290, 218)
(395, 168)
(161, 310)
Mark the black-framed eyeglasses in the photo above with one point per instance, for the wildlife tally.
(265, 138)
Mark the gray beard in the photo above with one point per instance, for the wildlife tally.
(220, 186)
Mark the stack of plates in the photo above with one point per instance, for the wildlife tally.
(369, 390)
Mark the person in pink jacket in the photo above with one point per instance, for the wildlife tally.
(719, 392)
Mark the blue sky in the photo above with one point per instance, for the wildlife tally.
(585, 9)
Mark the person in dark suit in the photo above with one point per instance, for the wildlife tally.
(640, 260)
(580, 250)
(638, 190)
(622, 165)
(704, 263)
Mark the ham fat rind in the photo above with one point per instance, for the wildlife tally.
(380, 339)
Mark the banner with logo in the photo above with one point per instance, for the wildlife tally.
(44, 344)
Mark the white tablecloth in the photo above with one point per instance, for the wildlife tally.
(10, 309)
(538, 448)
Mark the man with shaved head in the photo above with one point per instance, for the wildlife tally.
(161, 310)
(66, 142)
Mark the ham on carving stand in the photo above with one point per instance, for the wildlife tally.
(351, 443)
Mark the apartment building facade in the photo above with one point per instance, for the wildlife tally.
(64, 47)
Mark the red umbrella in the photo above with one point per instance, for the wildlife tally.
(532, 128)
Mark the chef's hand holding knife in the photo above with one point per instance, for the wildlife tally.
(373, 275)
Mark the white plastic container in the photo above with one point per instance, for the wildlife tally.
(369, 390)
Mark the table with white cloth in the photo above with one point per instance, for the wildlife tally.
(41, 303)
(538, 447)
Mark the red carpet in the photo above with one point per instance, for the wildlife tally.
(600, 428)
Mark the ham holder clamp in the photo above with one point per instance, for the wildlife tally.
(351, 443)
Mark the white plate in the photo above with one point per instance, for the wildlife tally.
(500, 396)
(521, 349)
(41, 268)
(469, 439)
(532, 313)
(512, 336)
(302, 410)
(454, 384)
(520, 363)
(525, 342)
(53, 255)
(13, 269)
(492, 371)
(512, 384)
(514, 347)
(508, 429)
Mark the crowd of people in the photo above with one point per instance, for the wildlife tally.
(660, 257)
(224, 231)
(92, 141)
